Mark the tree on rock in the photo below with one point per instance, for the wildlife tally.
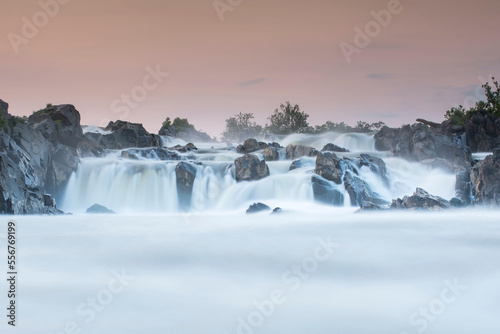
(241, 127)
(288, 119)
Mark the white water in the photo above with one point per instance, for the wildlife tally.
(149, 186)
(198, 273)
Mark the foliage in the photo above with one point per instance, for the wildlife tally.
(241, 127)
(288, 120)
(167, 122)
(182, 124)
(48, 105)
(58, 124)
(3, 122)
(460, 115)
(363, 127)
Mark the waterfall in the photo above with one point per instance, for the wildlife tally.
(150, 186)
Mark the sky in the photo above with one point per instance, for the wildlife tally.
(206, 60)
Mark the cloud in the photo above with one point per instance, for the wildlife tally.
(379, 75)
(252, 82)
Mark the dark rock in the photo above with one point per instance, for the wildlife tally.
(329, 167)
(99, 209)
(297, 151)
(154, 153)
(457, 203)
(483, 132)
(250, 168)
(334, 148)
(271, 154)
(257, 207)
(485, 179)
(376, 165)
(183, 149)
(301, 163)
(185, 174)
(325, 192)
(418, 143)
(463, 188)
(277, 211)
(275, 145)
(421, 199)
(187, 134)
(128, 155)
(124, 135)
(249, 146)
(359, 191)
(369, 206)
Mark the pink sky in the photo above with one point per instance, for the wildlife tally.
(428, 58)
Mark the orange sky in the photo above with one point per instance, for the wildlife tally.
(264, 52)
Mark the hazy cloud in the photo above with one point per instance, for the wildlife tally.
(252, 82)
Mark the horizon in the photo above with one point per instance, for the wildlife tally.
(337, 61)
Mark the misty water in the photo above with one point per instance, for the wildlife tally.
(154, 268)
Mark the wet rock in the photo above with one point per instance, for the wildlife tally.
(325, 192)
(370, 206)
(271, 154)
(376, 165)
(485, 180)
(257, 207)
(277, 211)
(334, 148)
(183, 149)
(99, 209)
(359, 191)
(185, 174)
(250, 168)
(329, 166)
(301, 163)
(297, 151)
(483, 132)
(421, 199)
(463, 188)
(250, 145)
(155, 153)
(187, 134)
(124, 135)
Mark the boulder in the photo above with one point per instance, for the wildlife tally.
(421, 200)
(249, 146)
(483, 132)
(370, 206)
(124, 135)
(376, 165)
(297, 151)
(325, 192)
(185, 174)
(277, 211)
(334, 148)
(301, 163)
(271, 154)
(485, 180)
(187, 134)
(250, 168)
(99, 209)
(359, 191)
(183, 149)
(329, 167)
(257, 207)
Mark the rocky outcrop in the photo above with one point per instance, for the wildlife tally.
(421, 200)
(463, 189)
(297, 151)
(183, 149)
(483, 132)
(271, 154)
(257, 207)
(329, 166)
(187, 134)
(155, 153)
(185, 174)
(359, 191)
(485, 179)
(334, 148)
(250, 168)
(99, 209)
(376, 165)
(325, 192)
(124, 135)
(250, 145)
(418, 143)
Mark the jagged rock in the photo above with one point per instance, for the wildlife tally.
(99, 209)
(334, 148)
(155, 153)
(325, 192)
(124, 135)
(257, 207)
(418, 143)
(183, 149)
(250, 168)
(369, 206)
(301, 163)
(483, 132)
(128, 155)
(275, 145)
(297, 151)
(421, 199)
(187, 134)
(463, 188)
(271, 154)
(359, 191)
(329, 167)
(250, 145)
(185, 174)
(277, 211)
(485, 179)
(376, 165)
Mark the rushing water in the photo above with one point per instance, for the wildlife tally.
(149, 185)
(205, 273)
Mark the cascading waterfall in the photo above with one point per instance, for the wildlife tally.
(150, 186)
